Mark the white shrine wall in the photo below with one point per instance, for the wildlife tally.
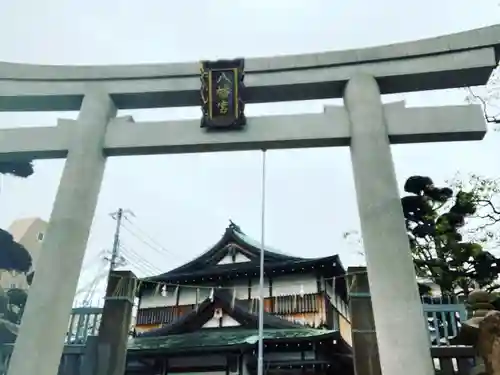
(294, 284)
(238, 258)
(281, 286)
(215, 322)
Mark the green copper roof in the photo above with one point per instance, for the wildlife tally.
(222, 337)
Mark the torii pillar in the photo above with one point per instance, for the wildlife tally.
(45, 319)
(391, 273)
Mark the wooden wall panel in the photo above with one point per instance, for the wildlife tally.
(345, 329)
(146, 327)
(308, 308)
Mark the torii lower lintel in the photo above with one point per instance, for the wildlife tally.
(328, 129)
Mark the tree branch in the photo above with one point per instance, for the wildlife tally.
(490, 119)
(490, 204)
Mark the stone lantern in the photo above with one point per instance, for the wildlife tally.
(482, 330)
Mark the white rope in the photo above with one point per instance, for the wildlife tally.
(243, 288)
(260, 358)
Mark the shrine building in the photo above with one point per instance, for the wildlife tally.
(202, 317)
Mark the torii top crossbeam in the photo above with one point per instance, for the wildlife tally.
(457, 60)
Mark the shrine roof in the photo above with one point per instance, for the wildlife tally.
(233, 307)
(212, 339)
(235, 242)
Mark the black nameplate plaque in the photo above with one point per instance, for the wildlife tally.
(221, 94)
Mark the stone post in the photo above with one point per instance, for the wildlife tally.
(40, 342)
(115, 323)
(488, 344)
(402, 337)
(364, 339)
(482, 331)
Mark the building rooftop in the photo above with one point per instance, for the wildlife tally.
(213, 339)
(245, 254)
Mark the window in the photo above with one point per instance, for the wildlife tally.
(13, 286)
(40, 236)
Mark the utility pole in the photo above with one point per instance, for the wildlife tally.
(115, 253)
(116, 242)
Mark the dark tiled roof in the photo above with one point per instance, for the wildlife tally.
(235, 240)
(246, 267)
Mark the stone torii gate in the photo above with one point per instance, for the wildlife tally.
(368, 127)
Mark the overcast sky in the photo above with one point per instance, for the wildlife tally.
(184, 202)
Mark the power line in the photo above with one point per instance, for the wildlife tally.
(158, 247)
(120, 216)
(139, 261)
(96, 260)
(141, 240)
(93, 287)
(90, 287)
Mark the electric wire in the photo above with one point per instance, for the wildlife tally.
(131, 253)
(144, 242)
(138, 265)
(97, 261)
(149, 237)
(144, 238)
(139, 262)
(100, 278)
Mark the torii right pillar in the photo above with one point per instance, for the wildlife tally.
(402, 337)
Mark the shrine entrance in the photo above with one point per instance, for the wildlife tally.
(364, 124)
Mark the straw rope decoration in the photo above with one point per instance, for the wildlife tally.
(161, 288)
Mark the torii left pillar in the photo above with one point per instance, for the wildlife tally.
(57, 275)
